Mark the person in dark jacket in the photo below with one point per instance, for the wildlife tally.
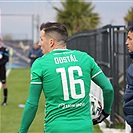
(34, 53)
(4, 58)
(128, 95)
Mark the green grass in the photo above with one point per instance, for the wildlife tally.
(10, 116)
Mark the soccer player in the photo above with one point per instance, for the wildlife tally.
(4, 58)
(128, 95)
(64, 76)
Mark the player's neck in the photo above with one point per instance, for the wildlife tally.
(60, 47)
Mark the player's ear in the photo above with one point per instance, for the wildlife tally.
(52, 42)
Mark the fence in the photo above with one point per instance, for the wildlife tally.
(107, 46)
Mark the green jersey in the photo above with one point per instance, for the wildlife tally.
(65, 77)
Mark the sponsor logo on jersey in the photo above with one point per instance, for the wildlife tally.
(64, 106)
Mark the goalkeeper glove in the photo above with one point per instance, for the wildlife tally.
(102, 117)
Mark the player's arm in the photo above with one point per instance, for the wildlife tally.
(108, 92)
(31, 107)
(108, 96)
(33, 99)
(5, 57)
(98, 77)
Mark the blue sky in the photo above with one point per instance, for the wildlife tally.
(111, 12)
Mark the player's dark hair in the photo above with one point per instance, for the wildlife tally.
(130, 28)
(55, 30)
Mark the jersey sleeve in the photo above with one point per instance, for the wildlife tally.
(5, 57)
(95, 69)
(102, 81)
(31, 105)
(108, 92)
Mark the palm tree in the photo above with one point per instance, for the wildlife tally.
(129, 17)
(77, 16)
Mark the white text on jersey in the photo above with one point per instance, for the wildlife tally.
(66, 59)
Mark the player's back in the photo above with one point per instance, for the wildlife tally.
(66, 76)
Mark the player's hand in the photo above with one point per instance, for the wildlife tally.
(102, 117)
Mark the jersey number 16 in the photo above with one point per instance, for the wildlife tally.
(73, 82)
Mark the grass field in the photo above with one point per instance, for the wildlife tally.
(10, 116)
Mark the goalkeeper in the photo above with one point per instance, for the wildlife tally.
(64, 76)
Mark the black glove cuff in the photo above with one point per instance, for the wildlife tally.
(105, 114)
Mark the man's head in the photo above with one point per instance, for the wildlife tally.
(129, 41)
(36, 46)
(53, 35)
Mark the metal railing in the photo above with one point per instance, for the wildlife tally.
(107, 46)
